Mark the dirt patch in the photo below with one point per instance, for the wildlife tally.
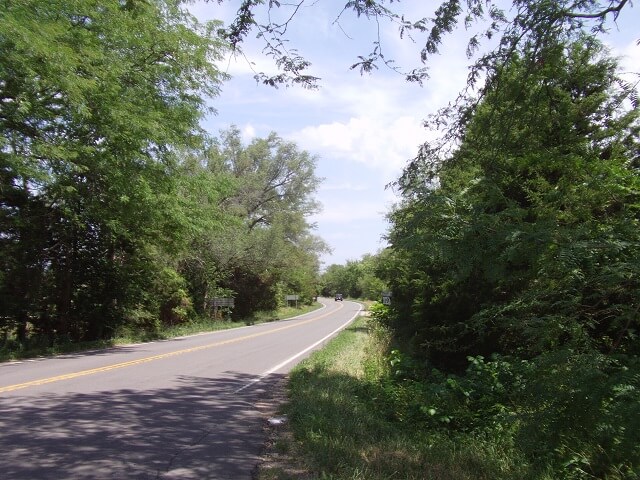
(279, 459)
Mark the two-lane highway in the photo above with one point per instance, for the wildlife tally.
(178, 409)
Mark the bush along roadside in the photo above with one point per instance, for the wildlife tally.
(360, 409)
(513, 264)
(365, 409)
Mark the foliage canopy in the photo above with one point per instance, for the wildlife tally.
(115, 206)
(519, 252)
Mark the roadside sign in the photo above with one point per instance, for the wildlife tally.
(292, 298)
(220, 305)
(386, 298)
(222, 302)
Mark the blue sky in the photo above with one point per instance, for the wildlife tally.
(363, 129)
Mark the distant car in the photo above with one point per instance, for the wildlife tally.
(338, 297)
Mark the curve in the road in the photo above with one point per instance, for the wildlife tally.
(82, 373)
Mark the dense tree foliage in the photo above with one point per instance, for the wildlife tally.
(356, 279)
(271, 251)
(94, 97)
(522, 247)
(115, 208)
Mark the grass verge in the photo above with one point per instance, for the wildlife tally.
(11, 350)
(342, 419)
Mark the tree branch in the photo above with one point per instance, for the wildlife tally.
(613, 9)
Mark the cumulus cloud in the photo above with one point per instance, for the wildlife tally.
(248, 132)
(383, 144)
(630, 59)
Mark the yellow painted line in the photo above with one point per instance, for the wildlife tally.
(106, 368)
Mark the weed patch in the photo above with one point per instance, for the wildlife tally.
(348, 416)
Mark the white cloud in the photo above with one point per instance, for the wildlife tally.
(347, 186)
(354, 206)
(349, 213)
(630, 59)
(248, 133)
(378, 143)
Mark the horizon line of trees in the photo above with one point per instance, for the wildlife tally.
(355, 279)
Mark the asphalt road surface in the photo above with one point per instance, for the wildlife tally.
(179, 409)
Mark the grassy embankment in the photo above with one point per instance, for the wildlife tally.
(348, 420)
(10, 349)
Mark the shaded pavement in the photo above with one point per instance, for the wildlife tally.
(200, 428)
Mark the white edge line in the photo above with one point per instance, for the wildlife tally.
(297, 355)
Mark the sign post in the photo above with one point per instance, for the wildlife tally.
(292, 298)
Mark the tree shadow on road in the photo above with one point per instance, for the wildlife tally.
(200, 428)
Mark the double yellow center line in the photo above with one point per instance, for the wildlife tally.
(115, 366)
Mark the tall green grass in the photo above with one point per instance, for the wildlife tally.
(347, 420)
